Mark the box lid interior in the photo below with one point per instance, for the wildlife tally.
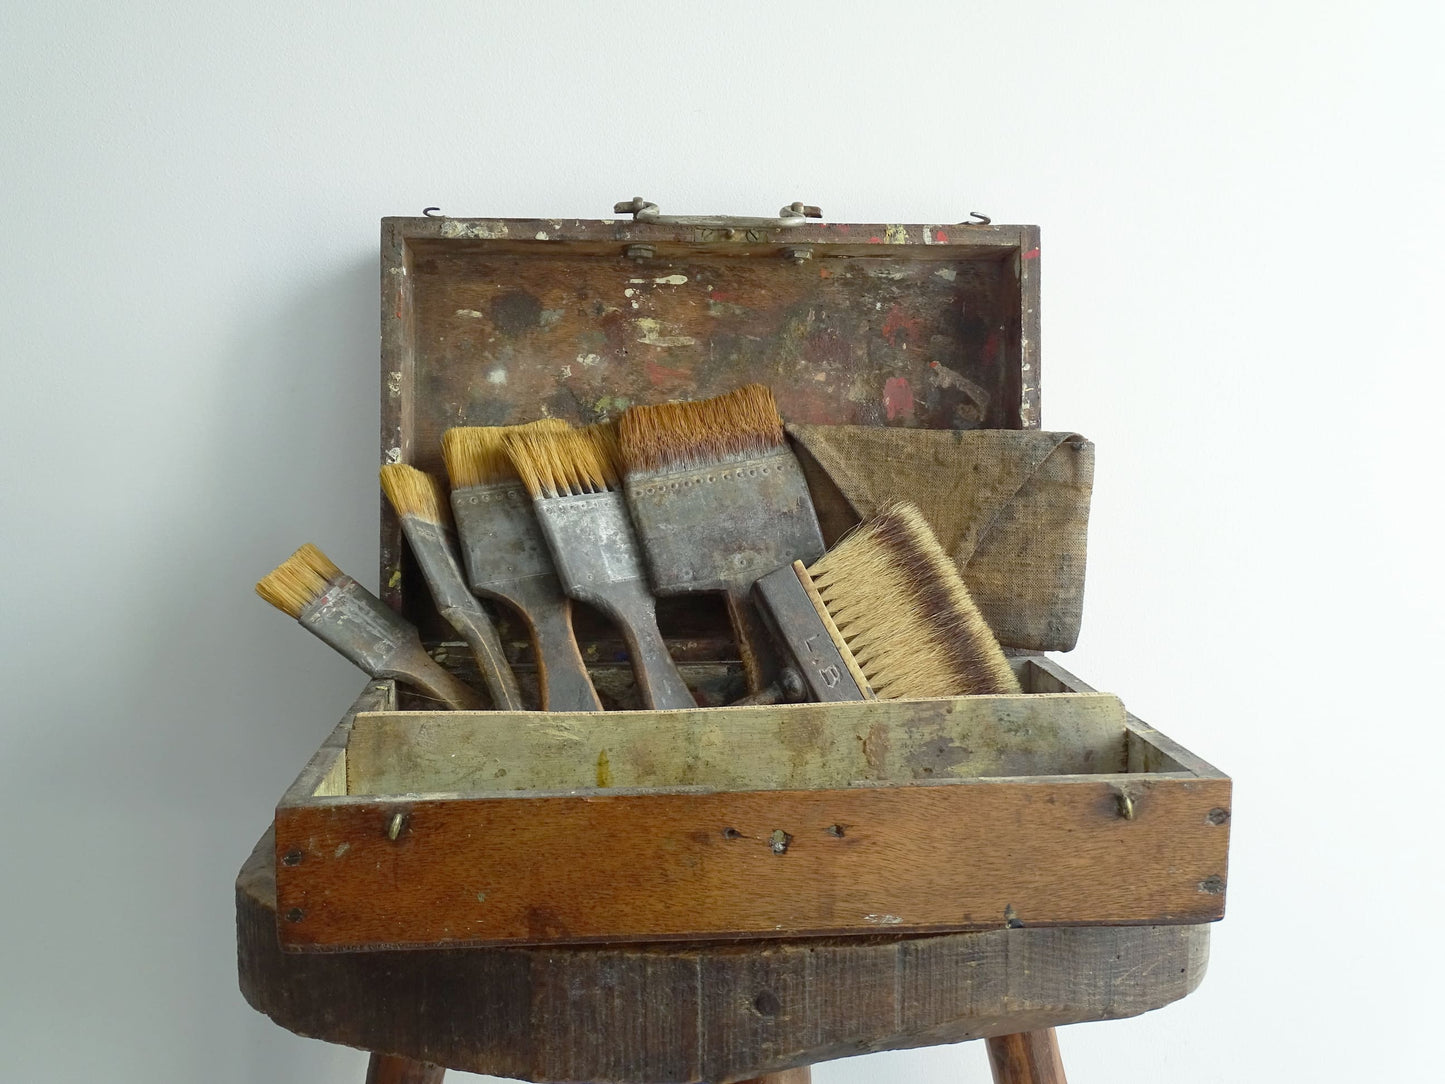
(497, 322)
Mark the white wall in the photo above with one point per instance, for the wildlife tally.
(1242, 273)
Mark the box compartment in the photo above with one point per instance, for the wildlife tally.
(1053, 808)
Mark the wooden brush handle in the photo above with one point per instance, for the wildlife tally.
(755, 645)
(481, 636)
(416, 667)
(561, 673)
(631, 605)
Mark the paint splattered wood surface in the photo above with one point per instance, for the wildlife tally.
(492, 322)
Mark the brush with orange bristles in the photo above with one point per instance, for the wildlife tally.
(719, 501)
(573, 479)
(331, 605)
(884, 615)
(506, 557)
(421, 506)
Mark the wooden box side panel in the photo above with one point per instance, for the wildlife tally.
(576, 868)
(796, 746)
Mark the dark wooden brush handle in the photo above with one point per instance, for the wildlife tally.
(481, 636)
(561, 672)
(415, 667)
(631, 605)
(755, 645)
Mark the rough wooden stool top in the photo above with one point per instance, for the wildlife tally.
(645, 1014)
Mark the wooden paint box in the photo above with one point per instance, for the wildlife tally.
(414, 829)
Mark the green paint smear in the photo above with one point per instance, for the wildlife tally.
(604, 770)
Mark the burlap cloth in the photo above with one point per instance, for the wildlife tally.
(1011, 507)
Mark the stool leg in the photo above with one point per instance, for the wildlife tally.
(1030, 1057)
(386, 1069)
(801, 1075)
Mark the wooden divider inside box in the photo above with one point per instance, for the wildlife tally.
(1051, 808)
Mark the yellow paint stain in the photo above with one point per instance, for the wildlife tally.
(395, 580)
(604, 770)
(895, 235)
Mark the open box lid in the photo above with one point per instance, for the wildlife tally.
(502, 321)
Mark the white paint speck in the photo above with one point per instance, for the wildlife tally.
(341, 850)
(393, 455)
(947, 274)
(882, 920)
(497, 376)
(650, 334)
(393, 384)
(566, 370)
(671, 280)
(542, 235)
(588, 360)
(630, 291)
(473, 313)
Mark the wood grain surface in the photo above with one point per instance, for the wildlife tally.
(757, 748)
(647, 1014)
(1030, 1057)
(491, 322)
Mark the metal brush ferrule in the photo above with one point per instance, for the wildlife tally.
(792, 616)
(359, 625)
(591, 540)
(501, 541)
(723, 525)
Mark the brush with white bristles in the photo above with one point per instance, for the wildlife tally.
(885, 614)
(421, 506)
(573, 479)
(331, 605)
(506, 557)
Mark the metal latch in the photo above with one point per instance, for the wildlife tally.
(794, 214)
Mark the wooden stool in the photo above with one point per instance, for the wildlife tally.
(717, 1012)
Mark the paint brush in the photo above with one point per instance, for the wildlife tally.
(573, 477)
(719, 501)
(421, 506)
(507, 560)
(884, 615)
(334, 607)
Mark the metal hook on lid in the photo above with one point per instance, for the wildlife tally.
(427, 212)
(794, 214)
(976, 219)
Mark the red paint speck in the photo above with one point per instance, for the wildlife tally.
(875, 240)
(897, 323)
(940, 237)
(897, 398)
(1032, 254)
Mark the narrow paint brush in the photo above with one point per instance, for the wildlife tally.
(573, 478)
(719, 501)
(884, 615)
(507, 560)
(334, 607)
(421, 506)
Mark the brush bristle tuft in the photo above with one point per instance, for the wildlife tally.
(566, 463)
(905, 614)
(476, 455)
(681, 436)
(414, 492)
(299, 580)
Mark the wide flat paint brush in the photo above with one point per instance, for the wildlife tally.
(422, 508)
(334, 607)
(507, 559)
(884, 615)
(719, 501)
(573, 477)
